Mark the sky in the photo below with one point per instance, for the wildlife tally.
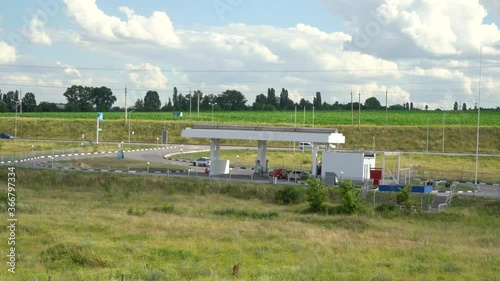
(427, 52)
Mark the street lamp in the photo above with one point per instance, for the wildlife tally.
(212, 104)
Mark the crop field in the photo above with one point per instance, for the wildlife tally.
(289, 118)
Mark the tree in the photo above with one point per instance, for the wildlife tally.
(139, 105)
(103, 98)
(11, 100)
(79, 98)
(260, 102)
(47, 107)
(285, 103)
(411, 105)
(271, 97)
(232, 100)
(426, 107)
(372, 103)
(207, 102)
(174, 99)
(455, 106)
(407, 105)
(168, 106)
(305, 103)
(152, 101)
(317, 101)
(29, 102)
(351, 199)
(316, 194)
(3, 107)
(464, 106)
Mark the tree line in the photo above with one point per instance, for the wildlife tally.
(86, 99)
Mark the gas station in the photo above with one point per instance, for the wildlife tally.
(317, 136)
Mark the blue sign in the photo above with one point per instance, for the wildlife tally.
(100, 116)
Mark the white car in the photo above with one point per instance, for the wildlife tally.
(202, 162)
(309, 145)
(298, 175)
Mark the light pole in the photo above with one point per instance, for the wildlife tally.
(443, 126)
(129, 117)
(313, 116)
(304, 125)
(295, 116)
(148, 167)
(478, 115)
(212, 104)
(157, 139)
(427, 142)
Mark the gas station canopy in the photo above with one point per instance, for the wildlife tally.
(315, 135)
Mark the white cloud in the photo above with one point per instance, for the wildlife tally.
(7, 53)
(147, 76)
(68, 69)
(36, 32)
(157, 28)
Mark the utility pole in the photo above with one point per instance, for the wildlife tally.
(198, 94)
(20, 98)
(359, 109)
(443, 126)
(386, 106)
(304, 116)
(189, 102)
(313, 116)
(352, 111)
(478, 114)
(126, 110)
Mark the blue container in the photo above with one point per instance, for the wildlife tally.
(421, 189)
(390, 188)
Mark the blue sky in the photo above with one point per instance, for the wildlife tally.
(426, 53)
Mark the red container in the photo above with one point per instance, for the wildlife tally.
(375, 174)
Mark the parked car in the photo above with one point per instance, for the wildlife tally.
(202, 162)
(6, 136)
(298, 175)
(309, 146)
(281, 173)
(305, 145)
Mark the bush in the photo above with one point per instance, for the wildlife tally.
(385, 208)
(351, 199)
(316, 195)
(289, 195)
(403, 198)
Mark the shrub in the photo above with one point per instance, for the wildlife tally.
(316, 194)
(351, 199)
(385, 208)
(289, 195)
(403, 198)
(167, 209)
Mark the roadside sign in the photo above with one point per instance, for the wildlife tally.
(100, 115)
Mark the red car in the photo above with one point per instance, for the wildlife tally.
(281, 173)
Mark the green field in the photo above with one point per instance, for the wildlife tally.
(82, 226)
(287, 118)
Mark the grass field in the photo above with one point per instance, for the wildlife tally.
(116, 164)
(74, 226)
(289, 118)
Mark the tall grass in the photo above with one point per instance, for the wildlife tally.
(79, 229)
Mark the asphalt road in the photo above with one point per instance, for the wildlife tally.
(241, 174)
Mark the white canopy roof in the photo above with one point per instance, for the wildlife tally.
(316, 135)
